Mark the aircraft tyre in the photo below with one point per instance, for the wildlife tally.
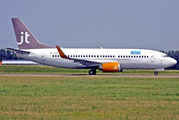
(92, 72)
(155, 73)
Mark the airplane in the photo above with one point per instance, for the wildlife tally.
(107, 60)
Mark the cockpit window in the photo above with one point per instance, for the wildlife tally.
(164, 55)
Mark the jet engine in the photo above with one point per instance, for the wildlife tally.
(110, 67)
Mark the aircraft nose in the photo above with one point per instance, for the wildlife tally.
(173, 61)
(168, 62)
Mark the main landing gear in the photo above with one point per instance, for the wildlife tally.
(155, 73)
(92, 72)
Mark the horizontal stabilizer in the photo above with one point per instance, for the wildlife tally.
(17, 51)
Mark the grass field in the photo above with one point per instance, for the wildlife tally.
(86, 97)
(40, 97)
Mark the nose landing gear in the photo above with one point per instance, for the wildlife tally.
(155, 73)
(92, 72)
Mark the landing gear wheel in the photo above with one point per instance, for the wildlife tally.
(92, 72)
(155, 73)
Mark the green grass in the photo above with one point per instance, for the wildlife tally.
(92, 97)
(56, 97)
(17, 69)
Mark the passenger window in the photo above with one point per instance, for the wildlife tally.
(131, 56)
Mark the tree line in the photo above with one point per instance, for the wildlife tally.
(9, 55)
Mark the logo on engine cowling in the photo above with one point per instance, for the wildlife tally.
(22, 38)
(135, 52)
(115, 67)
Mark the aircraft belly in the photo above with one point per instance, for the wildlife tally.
(133, 64)
(153, 64)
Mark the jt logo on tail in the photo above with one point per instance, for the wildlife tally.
(22, 38)
(25, 39)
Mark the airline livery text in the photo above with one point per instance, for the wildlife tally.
(22, 38)
(135, 52)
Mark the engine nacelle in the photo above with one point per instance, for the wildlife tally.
(110, 67)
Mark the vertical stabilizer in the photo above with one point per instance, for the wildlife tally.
(25, 39)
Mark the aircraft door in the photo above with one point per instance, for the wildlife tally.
(43, 56)
(152, 57)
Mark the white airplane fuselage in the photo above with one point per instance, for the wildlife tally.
(107, 60)
(144, 59)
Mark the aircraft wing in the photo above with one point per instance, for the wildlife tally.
(17, 50)
(87, 63)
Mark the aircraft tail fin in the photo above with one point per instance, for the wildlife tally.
(25, 39)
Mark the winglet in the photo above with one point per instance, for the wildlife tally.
(61, 52)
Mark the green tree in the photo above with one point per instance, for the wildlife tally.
(8, 55)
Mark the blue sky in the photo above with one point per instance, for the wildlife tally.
(146, 24)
